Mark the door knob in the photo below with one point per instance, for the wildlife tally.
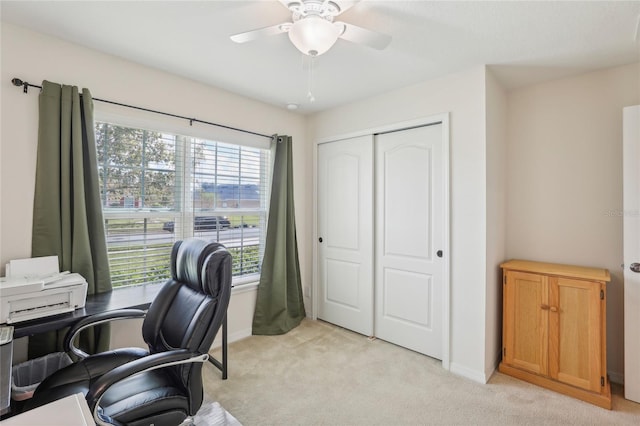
(635, 267)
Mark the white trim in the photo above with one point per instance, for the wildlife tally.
(630, 248)
(239, 335)
(446, 273)
(442, 118)
(494, 366)
(418, 122)
(488, 372)
(239, 288)
(468, 373)
(232, 337)
(314, 248)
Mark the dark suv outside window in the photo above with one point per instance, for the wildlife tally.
(203, 223)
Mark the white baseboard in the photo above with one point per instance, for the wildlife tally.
(489, 372)
(232, 337)
(496, 361)
(239, 335)
(468, 373)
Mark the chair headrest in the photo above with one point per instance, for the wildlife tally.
(200, 264)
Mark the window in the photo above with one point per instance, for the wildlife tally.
(157, 188)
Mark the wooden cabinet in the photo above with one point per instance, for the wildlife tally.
(554, 328)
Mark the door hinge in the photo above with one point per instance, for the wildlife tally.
(602, 381)
(504, 352)
(601, 294)
(504, 280)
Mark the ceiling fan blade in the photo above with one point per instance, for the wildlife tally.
(344, 5)
(261, 32)
(363, 36)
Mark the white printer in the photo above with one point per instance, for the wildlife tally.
(35, 288)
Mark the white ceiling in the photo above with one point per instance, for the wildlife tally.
(524, 41)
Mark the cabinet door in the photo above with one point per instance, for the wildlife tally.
(575, 333)
(526, 321)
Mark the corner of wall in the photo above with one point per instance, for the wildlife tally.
(496, 228)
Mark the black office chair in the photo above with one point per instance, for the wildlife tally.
(161, 386)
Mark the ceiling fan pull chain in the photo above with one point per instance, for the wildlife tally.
(310, 80)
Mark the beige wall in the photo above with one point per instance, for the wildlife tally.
(496, 130)
(565, 179)
(463, 96)
(34, 57)
(561, 188)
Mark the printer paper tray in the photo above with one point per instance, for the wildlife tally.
(40, 306)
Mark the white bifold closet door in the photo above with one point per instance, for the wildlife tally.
(380, 230)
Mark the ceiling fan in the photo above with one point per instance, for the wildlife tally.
(313, 29)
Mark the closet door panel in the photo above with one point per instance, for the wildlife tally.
(345, 229)
(408, 280)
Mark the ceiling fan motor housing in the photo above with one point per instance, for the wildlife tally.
(325, 9)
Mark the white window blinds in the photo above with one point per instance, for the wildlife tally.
(157, 188)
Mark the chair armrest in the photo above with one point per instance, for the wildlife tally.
(96, 319)
(148, 363)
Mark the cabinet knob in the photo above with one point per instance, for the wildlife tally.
(635, 267)
(553, 309)
(544, 307)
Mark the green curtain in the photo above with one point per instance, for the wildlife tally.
(279, 305)
(67, 214)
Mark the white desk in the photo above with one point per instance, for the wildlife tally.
(70, 411)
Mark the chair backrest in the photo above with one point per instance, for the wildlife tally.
(190, 308)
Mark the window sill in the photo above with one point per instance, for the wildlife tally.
(245, 287)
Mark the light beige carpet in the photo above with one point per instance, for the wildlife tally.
(319, 374)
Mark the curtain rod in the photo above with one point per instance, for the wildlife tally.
(25, 85)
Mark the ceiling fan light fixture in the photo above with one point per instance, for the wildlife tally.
(313, 35)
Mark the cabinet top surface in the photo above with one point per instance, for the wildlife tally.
(595, 274)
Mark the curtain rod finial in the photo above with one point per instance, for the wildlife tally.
(17, 82)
